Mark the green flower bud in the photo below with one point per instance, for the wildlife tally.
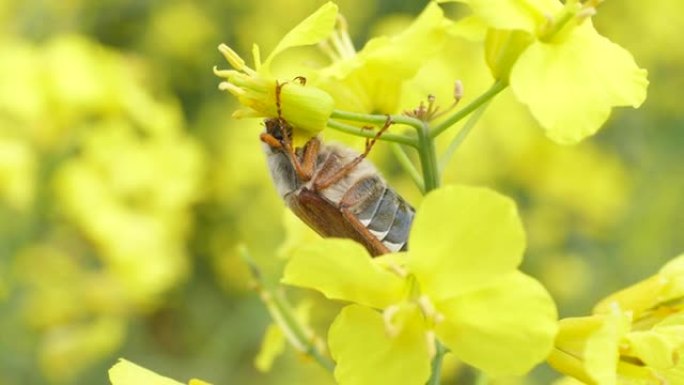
(305, 108)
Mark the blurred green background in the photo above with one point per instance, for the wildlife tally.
(125, 186)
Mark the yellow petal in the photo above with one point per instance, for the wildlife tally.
(464, 237)
(505, 328)
(342, 269)
(525, 15)
(311, 30)
(571, 86)
(127, 373)
(367, 355)
(272, 346)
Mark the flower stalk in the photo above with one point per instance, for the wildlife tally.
(282, 313)
(437, 364)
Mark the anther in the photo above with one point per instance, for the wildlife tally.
(431, 341)
(387, 317)
(458, 91)
(585, 13)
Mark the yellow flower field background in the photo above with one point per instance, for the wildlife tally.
(127, 190)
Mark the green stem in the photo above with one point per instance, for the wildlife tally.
(304, 339)
(437, 364)
(462, 135)
(481, 379)
(475, 104)
(408, 166)
(358, 131)
(283, 315)
(376, 118)
(428, 158)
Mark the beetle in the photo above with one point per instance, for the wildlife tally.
(335, 190)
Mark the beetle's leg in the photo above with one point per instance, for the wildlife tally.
(270, 140)
(347, 168)
(309, 157)
(305, 167)
(286, 143)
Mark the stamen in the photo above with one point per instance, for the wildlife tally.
(398, 270)
(245, 113)
(329, 51)
(343, 30)
(593, 3)
(585, 13)
(431, 341)
(458, 90)
(220, 73)
(426, 305)
(338, 44)
(235, 60)
(548, 26)
(256, 56)
(387, 317)
(431, 105)
(226, 73)
(429, 310)
(232, 88)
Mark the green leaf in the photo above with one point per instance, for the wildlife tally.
(342, 269)
(127, 373)
(524, 15)
(504, 328)
(366, 354)
(311, 30)
(462, 238)
(571, 86)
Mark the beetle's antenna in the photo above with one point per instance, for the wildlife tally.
(279, 109)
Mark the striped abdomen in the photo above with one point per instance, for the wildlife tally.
(380, 210)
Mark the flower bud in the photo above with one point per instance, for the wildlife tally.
(502, 48)
(305, 108)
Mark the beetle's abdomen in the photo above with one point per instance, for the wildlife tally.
(381, 210)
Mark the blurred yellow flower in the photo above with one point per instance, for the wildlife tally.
(635, 335)
(17, 173)
(102, 177)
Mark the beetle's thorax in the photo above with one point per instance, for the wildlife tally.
(331, 157)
